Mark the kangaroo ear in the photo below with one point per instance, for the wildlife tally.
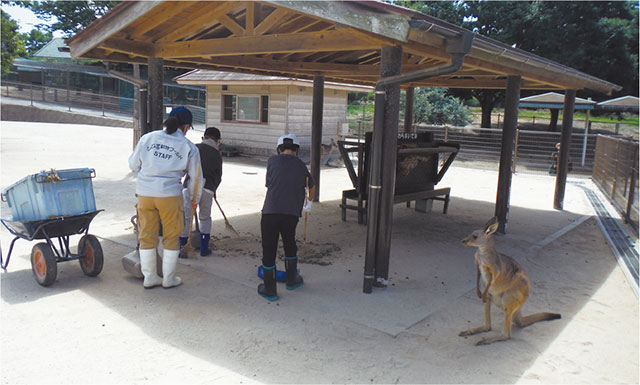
(491, 226)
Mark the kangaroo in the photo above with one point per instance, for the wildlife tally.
(505, 283)
(328, 149)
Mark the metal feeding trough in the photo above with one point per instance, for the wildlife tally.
(419, 168)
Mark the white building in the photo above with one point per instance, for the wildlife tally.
(252, 111)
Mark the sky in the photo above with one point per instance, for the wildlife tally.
(25, 18)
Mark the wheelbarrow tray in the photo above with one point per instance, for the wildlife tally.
(54, 227)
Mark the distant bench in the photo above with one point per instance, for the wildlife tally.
(424, 201)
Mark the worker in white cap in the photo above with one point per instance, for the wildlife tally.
(288, 180)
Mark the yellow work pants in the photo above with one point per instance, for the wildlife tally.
(152, 211)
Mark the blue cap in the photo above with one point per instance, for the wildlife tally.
(183, 114)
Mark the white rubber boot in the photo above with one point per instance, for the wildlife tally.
(169, 262)
(149, 268)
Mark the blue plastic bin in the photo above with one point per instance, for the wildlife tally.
(50, 194)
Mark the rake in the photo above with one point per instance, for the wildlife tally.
(226, 221)
(188, 247)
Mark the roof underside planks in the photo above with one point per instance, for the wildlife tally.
(339, 40)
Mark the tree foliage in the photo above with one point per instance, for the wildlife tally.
(35, 39)
(433, 106)
(68, 16)
(12, 45)
(598, 38)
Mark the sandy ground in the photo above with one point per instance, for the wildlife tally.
(216, 329)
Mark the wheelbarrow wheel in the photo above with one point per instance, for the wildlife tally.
(92, 258)
(43, 264)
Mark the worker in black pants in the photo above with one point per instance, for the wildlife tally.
(287, 180)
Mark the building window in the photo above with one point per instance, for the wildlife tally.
(245, 108)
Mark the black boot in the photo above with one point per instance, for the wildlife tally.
(268, 288)
(293, 279)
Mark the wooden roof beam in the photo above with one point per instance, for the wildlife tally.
(192, 27)
(83, 42)
(338, 40)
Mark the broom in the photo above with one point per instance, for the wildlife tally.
(226, 221)
(188, 247)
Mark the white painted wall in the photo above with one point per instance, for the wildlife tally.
(261, 139)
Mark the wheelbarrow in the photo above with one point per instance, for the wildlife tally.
(45, 255)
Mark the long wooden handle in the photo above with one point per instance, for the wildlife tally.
(193, 211)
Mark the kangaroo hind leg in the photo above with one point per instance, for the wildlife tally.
(509, 312)
(487, 321)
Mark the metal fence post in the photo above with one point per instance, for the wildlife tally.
(446, 133)
(632, 185)
(31, 94)
(102, 92)
(615, 171)
(515, 151)
(533, 126)
(498, 121)
(68, 91)
(42, 80)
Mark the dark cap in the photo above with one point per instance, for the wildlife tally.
(212, 132)
(183, 114)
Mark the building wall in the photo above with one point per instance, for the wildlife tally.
(261, 139)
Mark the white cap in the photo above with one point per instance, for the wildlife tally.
(288, 136)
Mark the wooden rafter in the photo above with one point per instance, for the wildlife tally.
(269, 21)
(192, 27)
(231, 24)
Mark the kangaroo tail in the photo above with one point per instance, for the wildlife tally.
(524, 321)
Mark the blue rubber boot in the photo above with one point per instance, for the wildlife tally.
(293, 279)
(204, 245)
(268, 288)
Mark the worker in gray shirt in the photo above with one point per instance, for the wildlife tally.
(287, 179)
(211, 162)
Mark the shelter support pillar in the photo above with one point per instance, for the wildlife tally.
(512, 101)
(155, 93)
(384, 153)
(565, 144)
(408, 112)
(316, 131)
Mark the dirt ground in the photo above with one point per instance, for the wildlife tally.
(216, 329)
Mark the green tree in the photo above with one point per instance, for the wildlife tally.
(35, 39)
(70, 16)
(598, 38)
(432, 105)
(12, 45)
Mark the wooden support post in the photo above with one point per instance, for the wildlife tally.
(512, 101)
(316, 131)
(391, 64)
(155, 93)
(408, 111)
(565, 144)
(136, 107)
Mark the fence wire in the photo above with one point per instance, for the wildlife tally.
(82, 98)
